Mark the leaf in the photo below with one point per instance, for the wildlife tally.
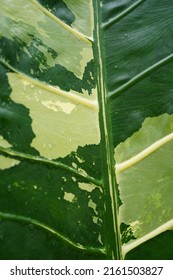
(85, 87)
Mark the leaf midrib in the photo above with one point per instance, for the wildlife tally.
(112, 234)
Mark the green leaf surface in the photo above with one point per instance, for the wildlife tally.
(86, 124)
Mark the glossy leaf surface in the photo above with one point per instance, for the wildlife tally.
(86, 129)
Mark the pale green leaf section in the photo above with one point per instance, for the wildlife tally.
(59, 124)
(6, 162)
(148, 182)
(4, 142)
(70, 197)
(89, 101)
(95, 216)
(50, 33)
(78, 34)
(83, 12)
(88, 187)
(150, 132)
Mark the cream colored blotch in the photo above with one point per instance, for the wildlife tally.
(6, 162)
(69, 197)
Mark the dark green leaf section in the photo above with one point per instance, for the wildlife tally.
(28, 56)
(158, 248)
(140, 45)
(26, 241)
(59, 9)
(137, 47)
(126, 233)
(87, 83)
(87, 158)
(114, 9)
(50, 195)
(4, 86)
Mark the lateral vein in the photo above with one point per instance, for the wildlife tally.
(85, 176)
(126, 248)
(41, 225)
(122, 14)
(146, 152)
(91, 104)
(75, 32)
(140, 76)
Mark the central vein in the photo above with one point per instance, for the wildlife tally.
(113, 243)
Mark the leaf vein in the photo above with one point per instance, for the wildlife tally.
(91, 104)
(122, 14)
(43, 226)
(107, 152)
(140, 76)
(75, 32)
(85, 176)
(126, 248)
(146, 152)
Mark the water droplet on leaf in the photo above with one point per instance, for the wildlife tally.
(31, 226)
(9, 188)
(49, 176)
(1, 237)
